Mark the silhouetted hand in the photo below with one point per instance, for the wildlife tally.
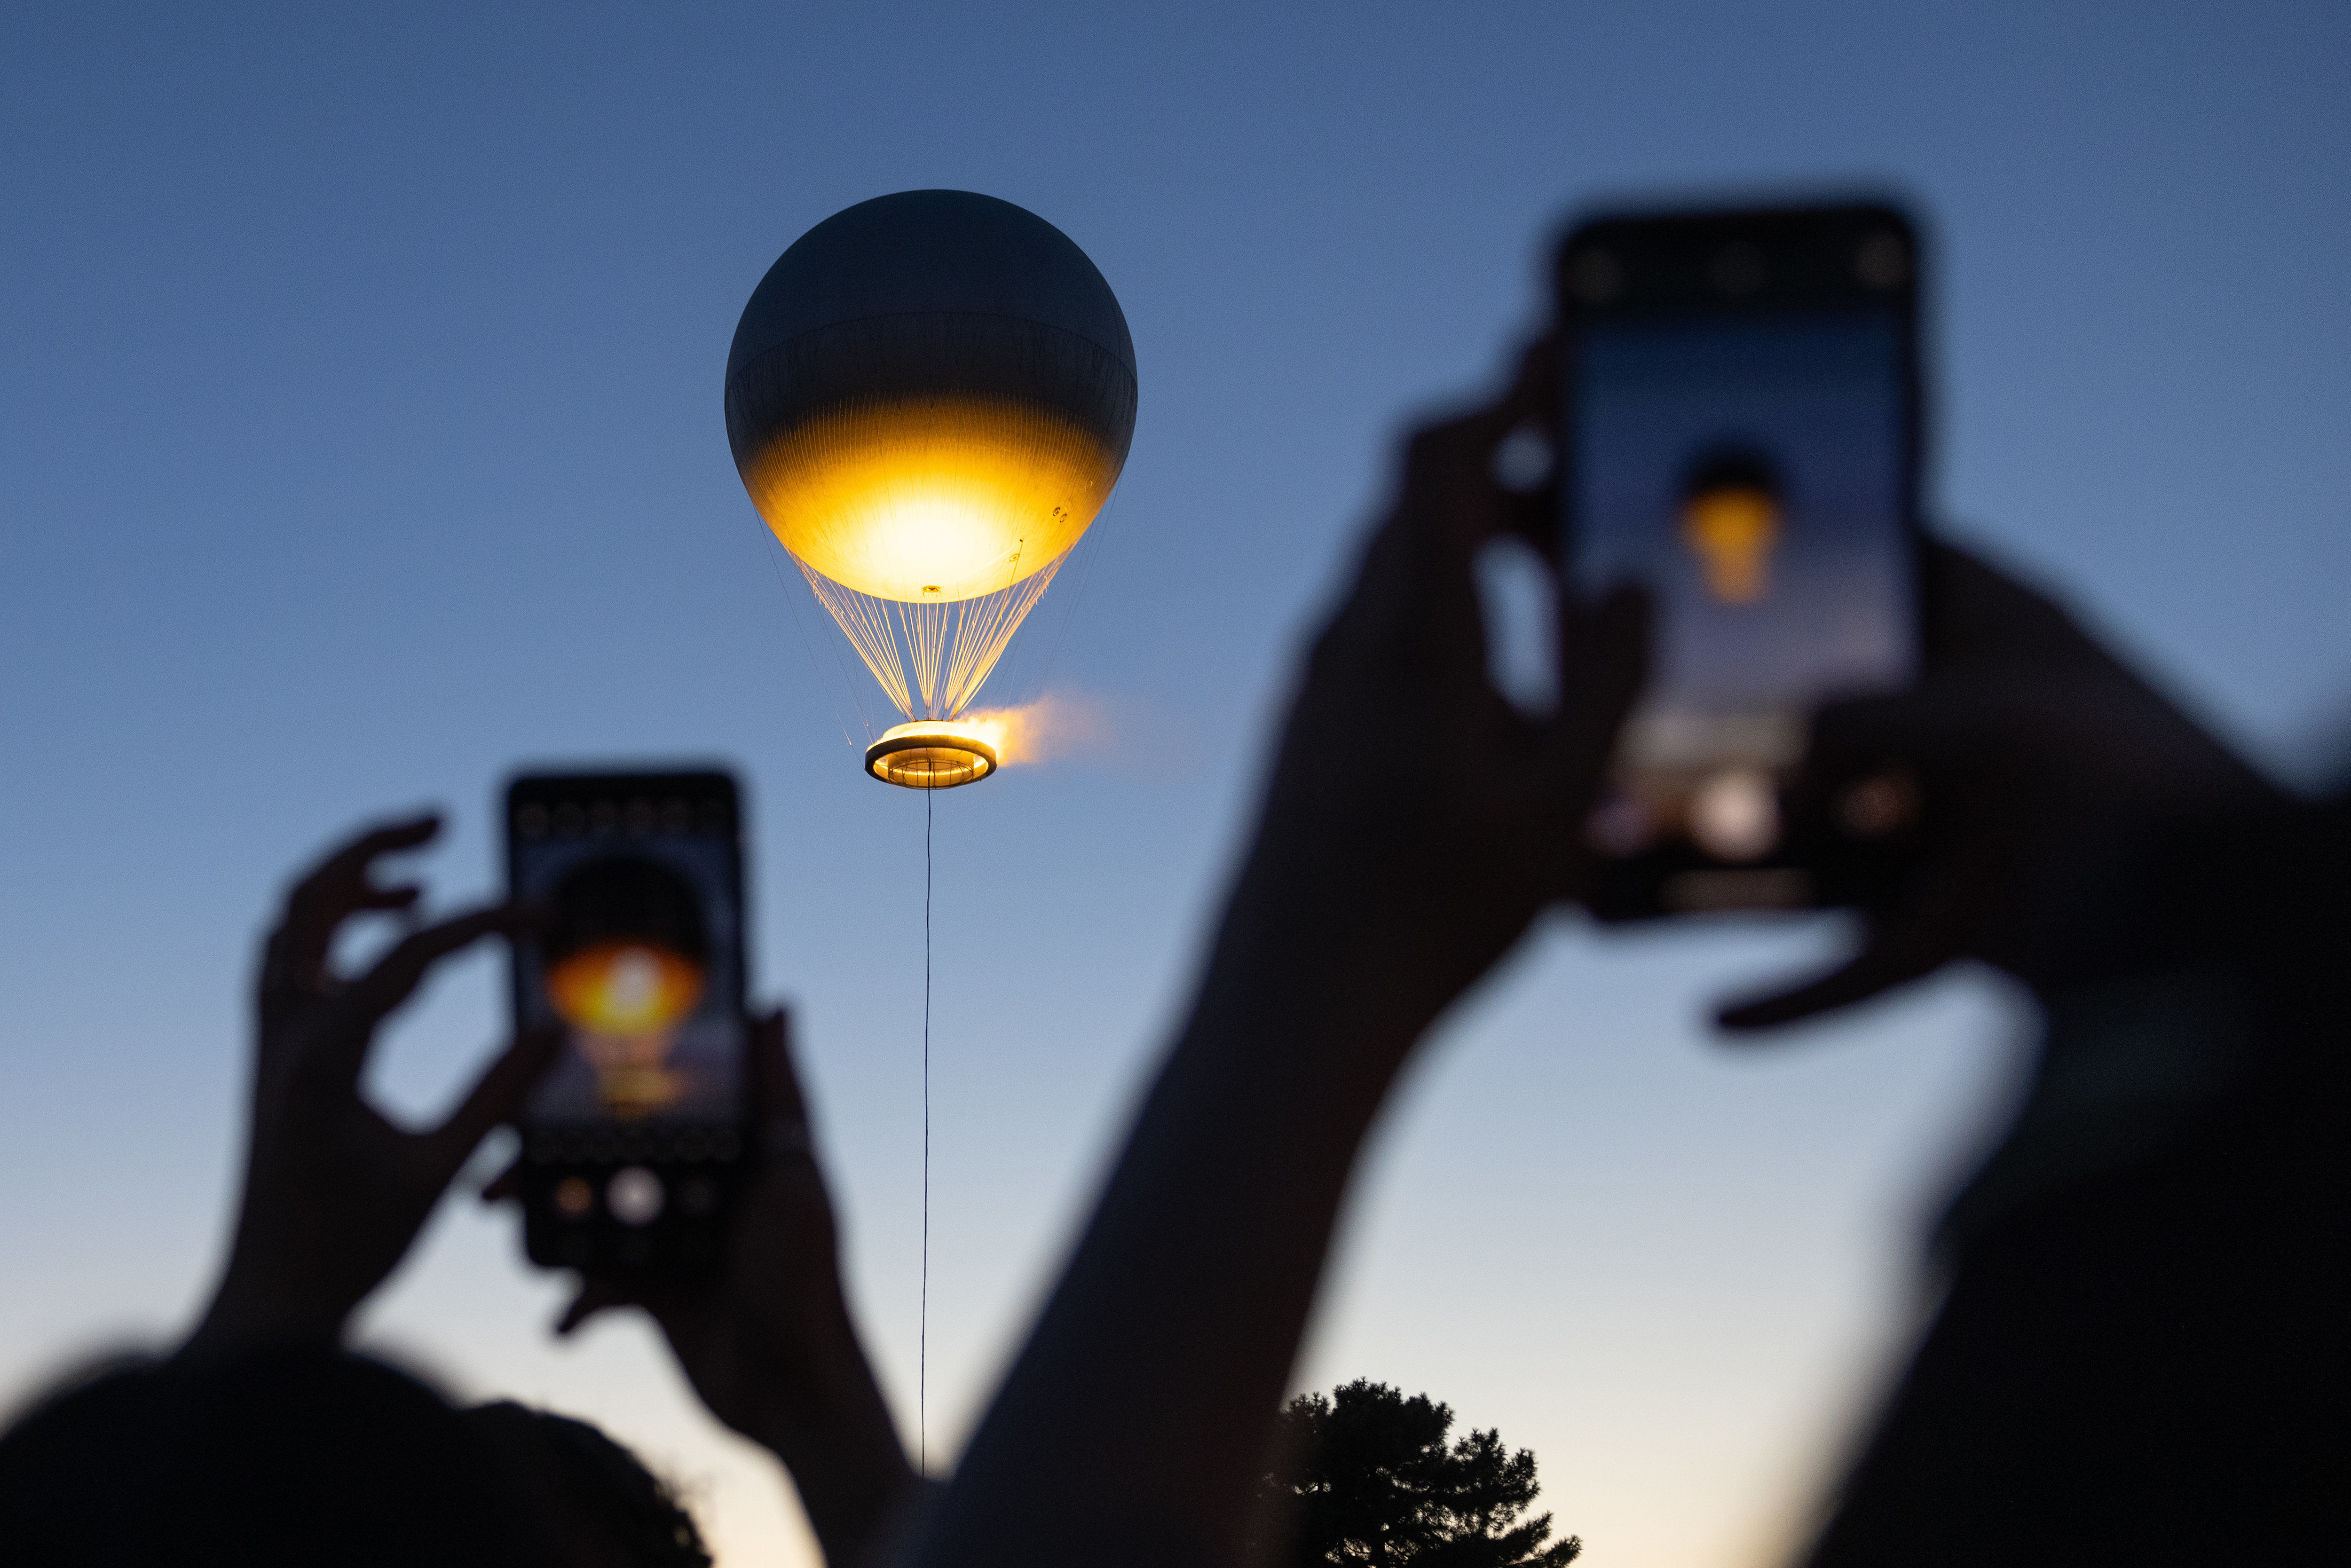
(2042, 767)
(1417, 821)
(1414, 826)
(768, 1341)
(334, 1193)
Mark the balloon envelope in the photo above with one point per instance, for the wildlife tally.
(930, 396)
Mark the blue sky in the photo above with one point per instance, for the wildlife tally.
(361, 439)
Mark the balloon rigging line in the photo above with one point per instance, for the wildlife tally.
(931, 659)
(800, 630)
(923, 1330)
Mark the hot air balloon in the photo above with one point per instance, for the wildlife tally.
(929, 398)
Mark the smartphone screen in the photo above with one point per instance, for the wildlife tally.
(632, 1139)
(1740, 437)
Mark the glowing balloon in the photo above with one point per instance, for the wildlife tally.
(929, 398)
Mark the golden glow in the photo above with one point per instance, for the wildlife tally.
(931, 501)
(1058, 724)
(1731, 529)
(928, 755)
(624, 987)
(626, 1000)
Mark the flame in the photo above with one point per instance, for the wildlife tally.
(1055, 725)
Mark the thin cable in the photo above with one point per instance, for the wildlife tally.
(923, 1335)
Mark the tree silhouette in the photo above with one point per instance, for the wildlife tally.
(1368, 1479)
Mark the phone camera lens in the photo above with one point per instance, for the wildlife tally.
(1735, 814)
(641, 816)
(531, 820)
(574, 1197)
(603, 817)
(634, 1195)
(568, 819)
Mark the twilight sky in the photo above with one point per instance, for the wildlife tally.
(360, 438)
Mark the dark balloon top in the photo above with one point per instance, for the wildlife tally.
(925, 251)
(930, 295)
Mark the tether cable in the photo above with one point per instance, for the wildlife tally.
(923, 1330)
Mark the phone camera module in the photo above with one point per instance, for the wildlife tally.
(574, 1198)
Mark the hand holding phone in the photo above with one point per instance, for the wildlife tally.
(2052, 772)
(767, 1338)
(335, 1194)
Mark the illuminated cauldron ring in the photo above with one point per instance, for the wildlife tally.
(929, 755)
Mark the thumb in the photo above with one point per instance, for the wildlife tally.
(1896, 953)
(595, 1295)
(504, 1187)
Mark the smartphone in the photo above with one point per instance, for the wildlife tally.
(634, 1140)
(1739, 433)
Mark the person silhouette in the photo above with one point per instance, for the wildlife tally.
(2138, 1353)
(262, 1441)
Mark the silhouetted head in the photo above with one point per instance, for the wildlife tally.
(278, 1456)
(595, 1503)
(303, 1457)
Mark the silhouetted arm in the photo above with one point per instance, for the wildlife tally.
(1414, 827)
(768, 1341)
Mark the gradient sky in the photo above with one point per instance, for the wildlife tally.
(361, 437)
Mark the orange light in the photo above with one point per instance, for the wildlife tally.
(623, 988)
(931, 501)
(1732, 528)
(932, 755)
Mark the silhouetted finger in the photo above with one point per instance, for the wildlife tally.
(1881, 966)
(340, 1048)
(396, 973)
(506, 1185)
(1979, 617)
(1908, 940)
(775, 1076)
(1452, 499)
(496, 1095)
(596, 1295)
(332, 891)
